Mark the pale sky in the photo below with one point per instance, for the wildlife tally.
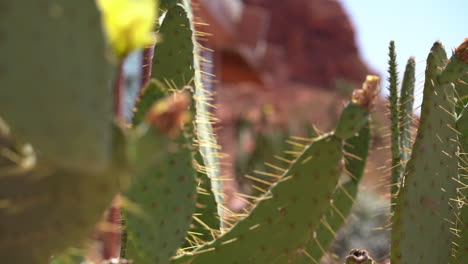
(414, 25)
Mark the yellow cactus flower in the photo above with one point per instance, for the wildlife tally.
(128, 23)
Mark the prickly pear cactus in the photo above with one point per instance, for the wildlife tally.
(47, 208)
(176, 66)
(55, 99)
(275, 229)
(461, 88)
(165, 211)
(405, 111)
(425, 209)
(173, 56)
(460, 251)
(55, 76)
(395, 135)
(357, 149)
(205, 137)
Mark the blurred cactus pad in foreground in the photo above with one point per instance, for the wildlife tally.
(94, 172)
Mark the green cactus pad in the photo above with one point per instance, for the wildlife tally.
(267, 143)
(55, 81)
(358, 148)
(166, 195)
(206, 224)
(420, 231)
(353, 118)
(462, 123)
(461, 87)
(393, 99)
(460, 254)
(279, 225)
(405, 112)
(176, 65)
(343, 198)
(149, 95)
(205, 136)
(173, 56)
(47, 209)
(165, 192)
(457, 67)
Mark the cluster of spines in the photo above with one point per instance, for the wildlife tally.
(204, 118)
(460, 250)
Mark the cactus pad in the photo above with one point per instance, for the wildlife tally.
(277, 227)
(47, 208)
(166, 195)
(423, 213)
(343, 198)
(176, 64)
(405, 113)
(55, 81)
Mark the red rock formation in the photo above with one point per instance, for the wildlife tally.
(318, 40)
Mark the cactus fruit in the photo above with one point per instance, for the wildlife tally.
(354, 115)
